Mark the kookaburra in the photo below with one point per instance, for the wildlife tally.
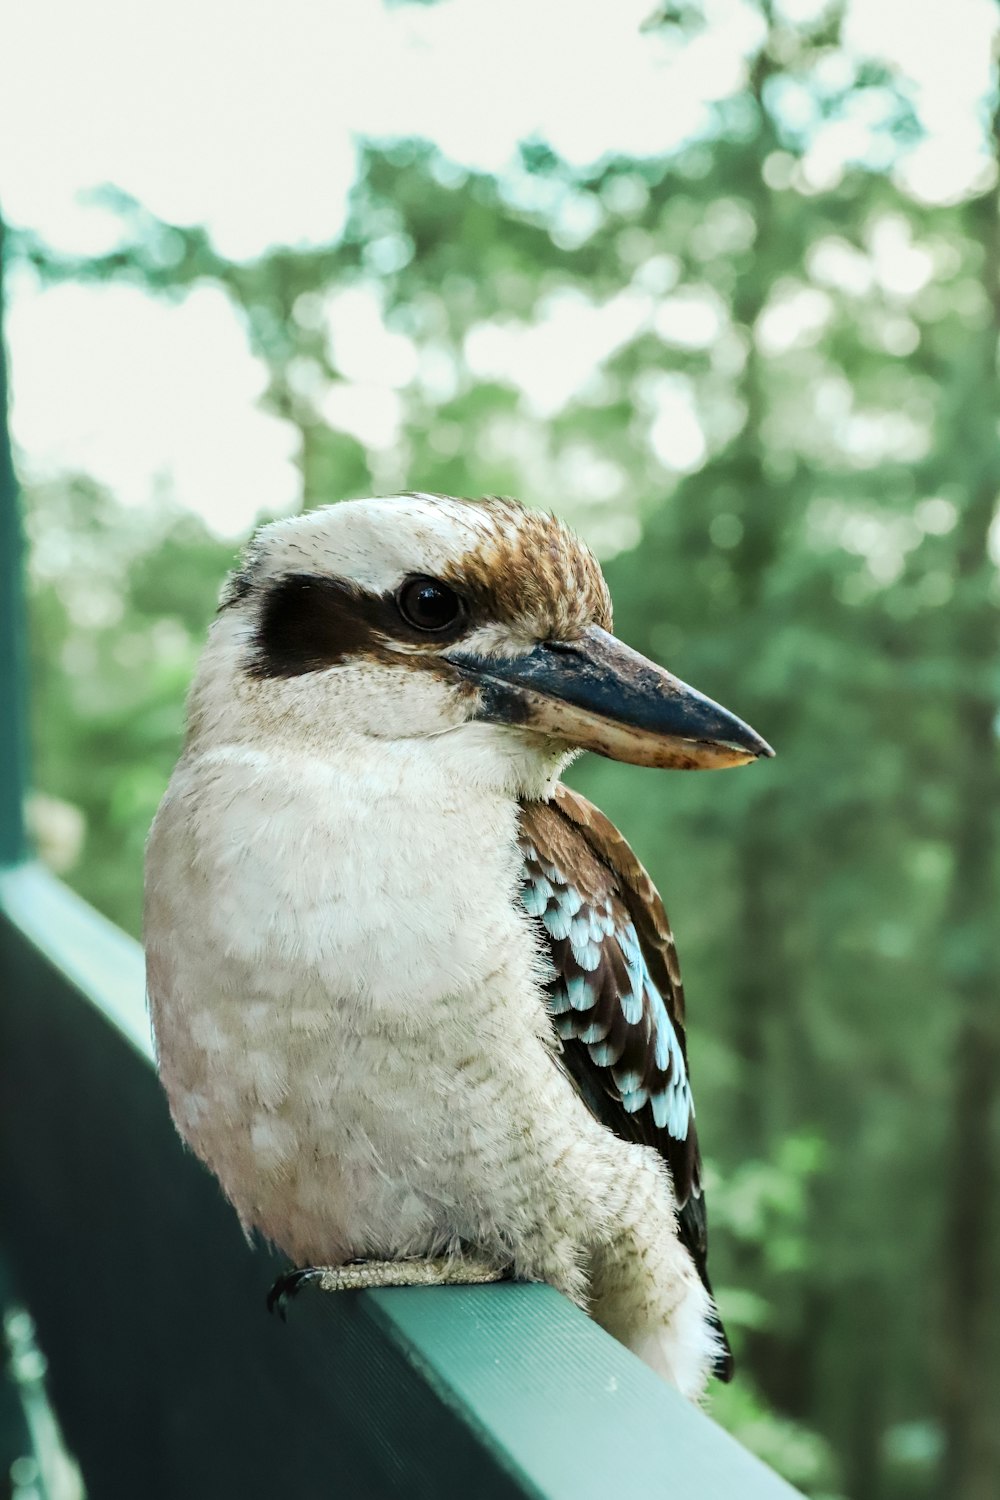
(416, 1003)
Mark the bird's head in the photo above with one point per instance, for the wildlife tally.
(479, 625)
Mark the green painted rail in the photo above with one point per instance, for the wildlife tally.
(169, 1379)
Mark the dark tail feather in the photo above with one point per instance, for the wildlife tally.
(692, 1226)
(724, 1365)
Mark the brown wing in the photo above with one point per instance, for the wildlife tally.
(616, 999)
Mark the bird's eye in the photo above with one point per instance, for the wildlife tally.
(429, 605)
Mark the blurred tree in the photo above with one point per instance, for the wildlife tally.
(966, 465)
(119, 605)
(786, 449)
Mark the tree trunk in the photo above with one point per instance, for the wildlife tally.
(970, 1338)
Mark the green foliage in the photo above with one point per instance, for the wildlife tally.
(119, 605)
(823, 567)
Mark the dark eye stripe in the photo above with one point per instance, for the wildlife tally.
(309, 622)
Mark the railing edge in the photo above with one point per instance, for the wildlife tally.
(101, 962)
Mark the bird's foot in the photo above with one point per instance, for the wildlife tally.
(367, 1275)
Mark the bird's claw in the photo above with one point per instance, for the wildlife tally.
(288, 1285)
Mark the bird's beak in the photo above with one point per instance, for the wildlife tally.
(599, 694)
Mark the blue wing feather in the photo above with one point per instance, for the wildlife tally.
(615, 998)
(576, 1000)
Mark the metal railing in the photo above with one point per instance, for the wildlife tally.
(167, 1375)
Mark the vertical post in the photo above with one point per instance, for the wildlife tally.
(13, 664)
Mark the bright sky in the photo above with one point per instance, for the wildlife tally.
(241, 114)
